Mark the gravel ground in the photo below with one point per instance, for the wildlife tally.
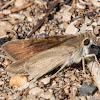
(68, 17)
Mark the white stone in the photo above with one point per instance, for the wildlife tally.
(40, 2)
(94, 24)
(96, 3)
(52, 98)
(98, 22)
(90, 28)
(74, 91)
(42, 29)
(26, 85)
(66, 16)
(46, 95)
(35, 91)
(66, 90)
(71, 29)
(29, 19)
(87, 20)
(17, 16)
(19, 3)
(1, 82)
(2, 98)
(78, 5)
(31, 85)
(6, 12)
(16, 95)
(4, 27)
(45, 80)
(83, 28)
(54, 84)
(50, 90)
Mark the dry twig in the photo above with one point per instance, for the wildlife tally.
(9, 11)
(10, 2)
(44, 18)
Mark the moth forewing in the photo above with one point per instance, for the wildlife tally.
(21, 49)
(43, 62)
(18, 67)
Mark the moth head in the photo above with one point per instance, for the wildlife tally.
(87, 42)
(88, 39)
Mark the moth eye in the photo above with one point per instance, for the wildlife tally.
(86, 42)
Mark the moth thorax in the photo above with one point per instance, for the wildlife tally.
(86, 44)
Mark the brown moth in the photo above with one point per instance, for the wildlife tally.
(45, 54)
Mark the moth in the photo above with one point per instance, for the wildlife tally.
(36, 57)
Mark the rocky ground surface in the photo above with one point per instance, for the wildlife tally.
(17, 20)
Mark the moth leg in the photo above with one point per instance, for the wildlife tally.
(83, 62)
(62, 67)
(83, 65)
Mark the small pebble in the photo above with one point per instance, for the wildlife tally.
(52, 98)
(66, 90)
(87, 89)
(16, 96)
(26, 85)
(1, 82)
(42, 34)
(80, 6)
(35, 91)
(80, 98)
(18, 80)
(6, 63)
(71, 29)
(66, 16)
(4, 95)
(31, 85)
(96, 3)
(29, 19)
(17, 16)
(19, 98)
(97, 30)
(4, 27)
(2, 98)
(87, 20)
(98, 22)
(46, 95)
(94, 98)
(45, 80)
(74, 91)
(19, 3)
(54, 84)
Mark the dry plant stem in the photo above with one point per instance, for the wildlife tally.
(22, 7)
(62, 67)
(10, 2)
(44, 18)
(73, 3)
(16, 9)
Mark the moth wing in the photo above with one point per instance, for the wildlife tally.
(17, 67)
(21, 49)
(17, 49)
(44, 62)
(41, 63)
